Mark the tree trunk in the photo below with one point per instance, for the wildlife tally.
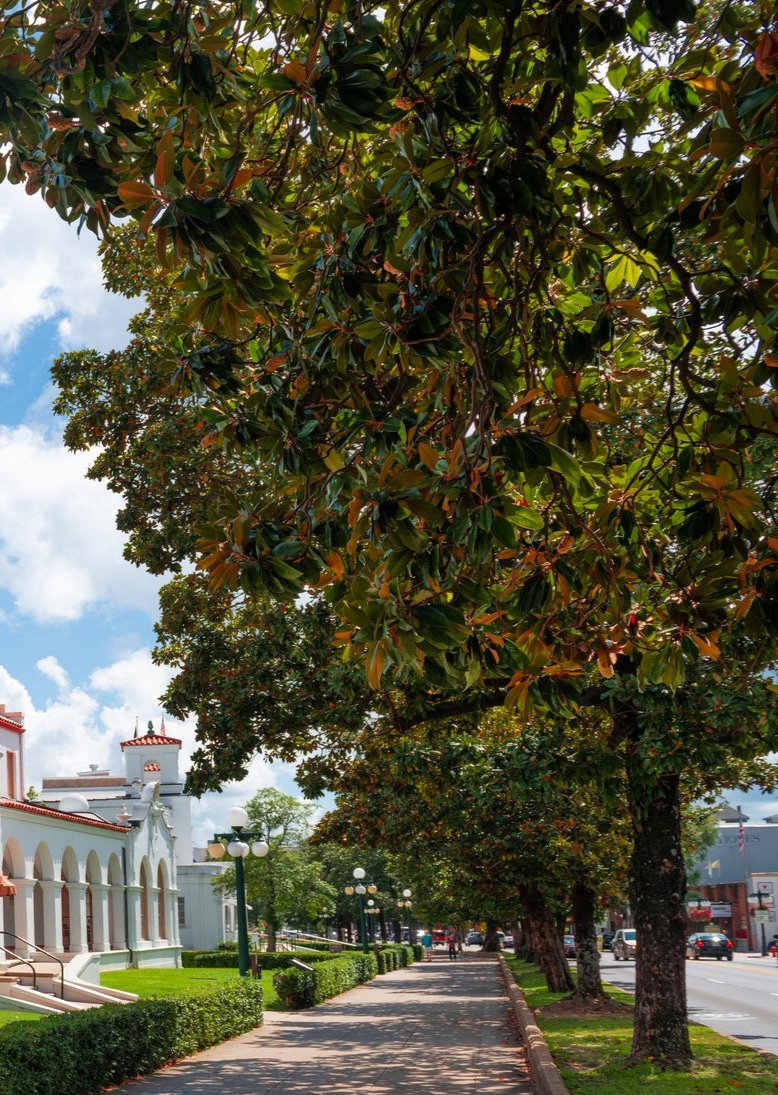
(584, 900)
(657, 893)
(548, 945)
(491, 942)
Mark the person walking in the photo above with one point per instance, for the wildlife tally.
(426, 942)
(451, 939)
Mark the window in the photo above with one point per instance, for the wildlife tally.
(182, 912)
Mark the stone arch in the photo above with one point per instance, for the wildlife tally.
(13, 867)
(163, 888)
(94, 878)
(69, 872)
(42, 872)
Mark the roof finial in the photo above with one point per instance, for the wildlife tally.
(151, 728)
(136, 727)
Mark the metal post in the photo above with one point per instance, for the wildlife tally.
(243, 927)
(363, 924)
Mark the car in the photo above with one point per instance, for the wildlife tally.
(438, 937)
(625, 943)
(568, 945)
(709, 945)
(475, 939)
(607, 939)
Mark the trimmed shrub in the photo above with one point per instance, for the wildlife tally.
(267, 961)
(84, 1052)
(418, 952)
(306, 988)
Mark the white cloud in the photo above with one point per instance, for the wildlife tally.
(50, 272)
(60, 552)
(51, 668)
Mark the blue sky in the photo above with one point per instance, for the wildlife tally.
(77, 619)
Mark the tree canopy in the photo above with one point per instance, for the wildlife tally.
(472, 317)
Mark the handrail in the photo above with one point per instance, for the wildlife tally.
(53, 957)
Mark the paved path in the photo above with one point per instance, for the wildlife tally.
(439, 1028)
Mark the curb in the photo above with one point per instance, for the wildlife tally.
(545, 1073)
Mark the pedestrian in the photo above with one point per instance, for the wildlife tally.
(426, 942)
(451, 939)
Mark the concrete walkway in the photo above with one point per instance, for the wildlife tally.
(439, 1028)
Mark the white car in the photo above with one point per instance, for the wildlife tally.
(625, 943)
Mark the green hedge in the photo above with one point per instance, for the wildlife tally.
(267, 961)
(84, 1052)
(306, 988)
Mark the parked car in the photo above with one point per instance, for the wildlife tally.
(568, 944)
(772, 947)
(625, 943)
(438, 937)
(709, 945)
(607, 939)
(475, 939)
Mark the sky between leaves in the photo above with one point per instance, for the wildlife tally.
(77, 618)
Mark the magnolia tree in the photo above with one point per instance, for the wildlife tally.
(482, 294)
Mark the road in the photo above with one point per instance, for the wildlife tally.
(738, 997)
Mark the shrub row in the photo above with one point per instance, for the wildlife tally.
(267, 961)
(84, 1052)
(306, 988)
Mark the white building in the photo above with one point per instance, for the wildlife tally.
(104, 863)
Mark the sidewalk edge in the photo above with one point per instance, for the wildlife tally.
(545, 1074)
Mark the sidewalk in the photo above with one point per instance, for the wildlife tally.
(439, 1028)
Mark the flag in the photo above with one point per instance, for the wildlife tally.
(714, 866)
(741, 838)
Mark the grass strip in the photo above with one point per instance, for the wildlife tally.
(591, 1052)
(167, 982)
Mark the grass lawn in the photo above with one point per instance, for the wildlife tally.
(590, 1053)
(154, 982)
(7, 1017)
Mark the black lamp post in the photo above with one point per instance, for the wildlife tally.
(239, 849)
(360, 890)
(759, 895)
(406, 904)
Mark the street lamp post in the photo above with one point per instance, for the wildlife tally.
(406, 904)
(237, 818)
(360, 890)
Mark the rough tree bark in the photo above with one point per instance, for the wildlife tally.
(657, 893)
(548, 945)
(584, 907)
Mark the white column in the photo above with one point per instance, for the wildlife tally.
(119, 938)
(77, 903)
(154, 915)
(173, 933)
(134, 897)
(24, 916)
(52, 914)
(100, 929)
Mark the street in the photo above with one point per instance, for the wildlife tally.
(738, 997)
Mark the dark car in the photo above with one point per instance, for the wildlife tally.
(475, 939)
(607, 939)
(568, 943)
(709, 945)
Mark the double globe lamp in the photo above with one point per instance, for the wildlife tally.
(238, 848)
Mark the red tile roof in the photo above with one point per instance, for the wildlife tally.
(29, 808)
(151, 739)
